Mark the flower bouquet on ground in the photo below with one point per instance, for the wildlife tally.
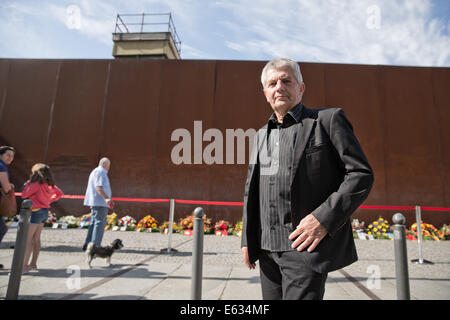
(51, 219)
(186, 225)
(164, 228)
(70, 221)
(380, 229)
(223, 228)
(429, 232)
(358, 229)
(237, 230)
(85, 221)
(445, 232)
(111, 221)
(128, 222)
(207, 225)
(148, 223)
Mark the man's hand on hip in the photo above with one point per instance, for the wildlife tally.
(309, 232)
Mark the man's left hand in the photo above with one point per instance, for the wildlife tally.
(309, 232)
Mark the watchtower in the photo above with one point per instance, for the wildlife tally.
(146, 35)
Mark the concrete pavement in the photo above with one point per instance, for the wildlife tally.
(141, 272)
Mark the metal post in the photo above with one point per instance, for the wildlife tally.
(19, 251)
(401, 258)
(197, 255)
(419, 238)
(170, 231)
(171, 214)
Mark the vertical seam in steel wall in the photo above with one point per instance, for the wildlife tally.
(384, 129)
(102, 119)
(52, 108)
(5, 91)
(439, 135)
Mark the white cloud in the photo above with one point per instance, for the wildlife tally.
(338, 31)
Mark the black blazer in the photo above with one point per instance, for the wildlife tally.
(332, 178)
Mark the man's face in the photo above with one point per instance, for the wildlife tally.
(282, 90)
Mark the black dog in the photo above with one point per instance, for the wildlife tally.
(94, 251)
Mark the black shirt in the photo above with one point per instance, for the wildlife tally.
(274, 182)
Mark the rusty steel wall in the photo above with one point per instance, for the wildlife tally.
(70, 113)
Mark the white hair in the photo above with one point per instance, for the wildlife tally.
(104, 161)
(279, 63)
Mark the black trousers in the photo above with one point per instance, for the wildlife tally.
(284, 275)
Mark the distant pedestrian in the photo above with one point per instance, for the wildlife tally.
(98, 198)
(6, 157)
(41, 190)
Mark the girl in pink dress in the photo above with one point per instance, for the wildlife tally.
(42, 191)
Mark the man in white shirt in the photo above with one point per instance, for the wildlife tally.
(98, 198)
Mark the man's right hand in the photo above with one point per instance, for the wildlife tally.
(109, 203)
(246, 259)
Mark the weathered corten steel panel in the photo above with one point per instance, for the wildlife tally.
(412, 146)
(26, 113)
(73, 143)
(355, 89)
(130, 130)
(441, 97)
(186, 95)
(239, 103)
(70, 113)
(4, 71)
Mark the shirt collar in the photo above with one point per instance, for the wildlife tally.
(293, 114)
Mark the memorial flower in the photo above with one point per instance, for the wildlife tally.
(71, 221)
(51, 219)
(148, 223)
(85, 221)
(445, 232)
(380, 229)
(223, 228)
(111, 221)
(357, 226)
(237, 230)
(429, 232)
(128, 222)
(164, 228)
(187, 224)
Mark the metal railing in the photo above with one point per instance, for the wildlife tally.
(137, 23)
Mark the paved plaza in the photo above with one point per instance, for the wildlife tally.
(140, 271)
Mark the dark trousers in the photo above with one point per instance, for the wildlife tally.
(284, 275)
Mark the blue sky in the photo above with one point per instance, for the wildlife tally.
(384, 32)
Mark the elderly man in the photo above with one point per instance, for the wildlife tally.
(308, 175)
(98, 198)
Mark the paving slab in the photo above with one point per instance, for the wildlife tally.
(142, 272)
